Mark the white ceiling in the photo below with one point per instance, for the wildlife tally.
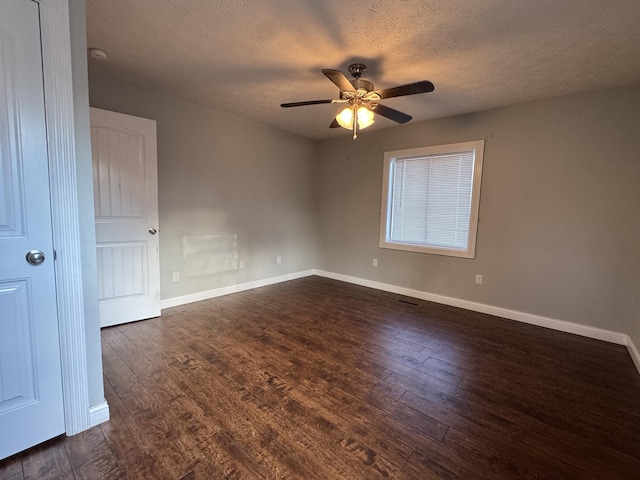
(248, 56)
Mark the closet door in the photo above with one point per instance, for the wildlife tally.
(31, 402)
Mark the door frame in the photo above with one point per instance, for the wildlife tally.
(60, 114)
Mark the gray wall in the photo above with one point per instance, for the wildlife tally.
(634, 330)
(77, 17)
(558, 234)
(559, 229)
(222, 174)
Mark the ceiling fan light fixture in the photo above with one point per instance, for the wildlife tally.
(345, 117)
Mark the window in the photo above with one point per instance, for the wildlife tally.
(430, 199)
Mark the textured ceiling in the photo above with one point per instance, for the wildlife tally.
(248, 56)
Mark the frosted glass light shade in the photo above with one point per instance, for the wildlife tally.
(365, 117)
(345, 118)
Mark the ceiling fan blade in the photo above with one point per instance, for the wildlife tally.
(392, 114)
(334, 124)
(424, 86)
(338, 78)
(309, 102)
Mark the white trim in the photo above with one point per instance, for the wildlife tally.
(99, 413)
(560, 325)
(635, 355)
(390, 159)
(56, 58)
(241, 287)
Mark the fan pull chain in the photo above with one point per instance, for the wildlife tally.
(355, 121)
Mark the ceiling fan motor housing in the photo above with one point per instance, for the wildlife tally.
(362, 84)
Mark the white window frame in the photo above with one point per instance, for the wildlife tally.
(387, 197)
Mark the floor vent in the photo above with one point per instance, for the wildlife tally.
(409, 303)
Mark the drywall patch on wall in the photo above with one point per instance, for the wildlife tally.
(209, 254)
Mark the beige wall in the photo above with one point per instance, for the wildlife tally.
(559, 229)
(222, 174)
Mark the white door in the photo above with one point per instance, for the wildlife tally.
(125, 184)
(31, 405)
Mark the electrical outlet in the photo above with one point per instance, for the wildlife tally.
(278, 259)
(176, 276)
(241, 264)
(375, 262)
(478, 279)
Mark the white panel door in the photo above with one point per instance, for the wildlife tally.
(125, 183)
(31, 404)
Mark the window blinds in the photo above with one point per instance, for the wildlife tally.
(431, 200)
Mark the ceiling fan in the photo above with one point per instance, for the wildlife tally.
(363, 100)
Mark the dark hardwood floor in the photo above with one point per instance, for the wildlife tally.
(318, 379)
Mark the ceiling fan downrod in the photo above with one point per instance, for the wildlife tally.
(357, 70)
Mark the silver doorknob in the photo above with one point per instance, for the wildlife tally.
(153, 231)
(35, 257)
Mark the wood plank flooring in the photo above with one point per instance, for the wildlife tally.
(318, 379)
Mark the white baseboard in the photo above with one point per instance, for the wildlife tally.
(635, 355)
(561, 325)
(241, 287)
(532, 319)
(99, 413)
